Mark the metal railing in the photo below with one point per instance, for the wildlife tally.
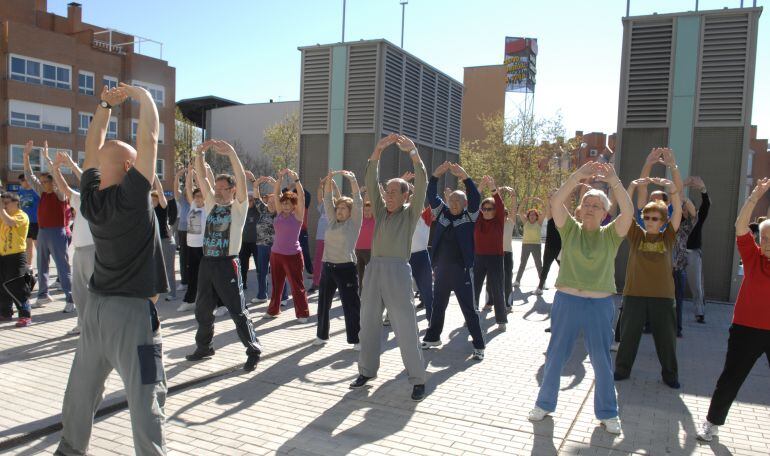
(111, 46)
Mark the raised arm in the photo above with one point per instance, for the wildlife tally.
(29, 176)
(70, 163)
(541, 216)
(676, 201)
(59, 160)
(434, 200)
(188, 184)
(655, 156)
(241, 189)
(162, 201)
(606, 173)
(299, 211)
(559, 199)
(146, 132)
(277, 186)
(200, 169)
(372, 177)
(522, 212)
(325, 190)
(357, 215)
(420, 176)
(177, 189)
(669, 159)
(97, 129)
(744, 216)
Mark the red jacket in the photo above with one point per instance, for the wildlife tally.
(488, 234)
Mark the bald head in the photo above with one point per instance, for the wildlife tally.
(115, 159)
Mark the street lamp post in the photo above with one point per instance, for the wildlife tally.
(403, 14)
(343, 20)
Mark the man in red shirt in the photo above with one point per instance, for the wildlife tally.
(750, 331)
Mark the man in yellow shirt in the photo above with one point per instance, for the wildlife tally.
(13, 261)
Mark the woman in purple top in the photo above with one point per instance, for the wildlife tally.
(286, 260)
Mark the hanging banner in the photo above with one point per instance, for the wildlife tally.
(520, 64)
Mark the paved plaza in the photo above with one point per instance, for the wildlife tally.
(297, 401)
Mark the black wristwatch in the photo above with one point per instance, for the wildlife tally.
(105, 105)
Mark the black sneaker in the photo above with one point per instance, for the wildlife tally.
(198, 354)
(419, 306)
(418, 393)
(700, 319)
(548, 329)
(251, 362)
(673, 384)
(312, 290)
(619, 377)
(360, 382)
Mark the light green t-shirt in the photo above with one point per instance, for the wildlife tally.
(588, 257)
(531, 233)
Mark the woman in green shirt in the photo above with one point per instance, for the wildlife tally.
(586, 283)
(532, 220)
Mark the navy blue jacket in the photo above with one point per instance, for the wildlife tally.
(464, 223)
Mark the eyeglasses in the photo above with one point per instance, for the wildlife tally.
(487, 209)
(651, 219)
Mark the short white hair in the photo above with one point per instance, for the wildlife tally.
(460, 194)
(599, 194)
(764, 225)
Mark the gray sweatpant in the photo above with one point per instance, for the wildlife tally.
(82, 270)
(169, 258)
(695, 279)
(120, 333)
(388, 285)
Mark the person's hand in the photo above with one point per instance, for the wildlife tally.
(60, 159)
(667, 184)
(458, 171)
(250, 176)
(350, 175)
(658, 181)
(292, 175)
(114, 96)
(654, 156)
(202, 148)
(383, 143)
(641, 181)
(28, 148)
(605, 173)
(223, 148)
(179, 172)
(45, 154)
(761, 188)
(486, 181)
(407, 176)
(668, 158)
(696, 182)
(131, 91)
(405, 144)
(587, 171)
(441, 169)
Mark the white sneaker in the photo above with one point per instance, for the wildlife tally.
(614, 346)
(426, 344)
(169, 298)
(357, 347)
(502, 327)
(219, 311)
(267, 315)
(478, 354)
(319, 341)
(185, 307)
(301, 320)
(42, 300)
(181, 287)
(516, 284)
(284, 303)
(538, 291)
(69, 307)
(74, 331)
(258, 300)
(707, 431)
(537, 414)
(612, 425)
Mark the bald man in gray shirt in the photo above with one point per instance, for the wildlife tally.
(387, 283)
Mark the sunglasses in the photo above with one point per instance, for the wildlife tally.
(487, 209)
(650, 218)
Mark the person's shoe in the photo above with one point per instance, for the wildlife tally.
(267, 315)
(219, 311)
(357, 347)
(679, 334)
(673, 384)
(614, 346)
(284, 303)
(258, 300)
(185, 307)
(619, 378)
(69, 307)
(198, 355)
(707, 431)
(426, 344)
(302, 320)
(312, 290)
(23, 322)
(478, 354)
(612, 425)
(548, 329)
(418, 393)
(251, 362)
(74, 331)
(181, 287)
(360, 381)
(386, 322)
(647, 330)
(508, 309)
(537, 414)
(419, 306)
(319, 341)
(502, 327)
(169, 298)
(41, 300)
(700, 319)
(538, 291)
(516, 284)
(488, 305)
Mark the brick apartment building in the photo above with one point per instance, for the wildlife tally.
(594, 146)
(51, 73)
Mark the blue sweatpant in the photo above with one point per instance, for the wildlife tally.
(451, 276)
(53, 242)
(570, 316)
(423, 275)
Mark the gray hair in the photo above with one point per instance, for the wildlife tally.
(460, 194)
(763, 226)
(401, 182)
(599, 194)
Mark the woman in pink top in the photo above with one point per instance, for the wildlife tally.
(364, 244)
(286, 260)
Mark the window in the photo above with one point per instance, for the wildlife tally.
(161, 133)
(35, 115)
(157, 91)
(34, 71)
(81, 158)
(35, 158)
(112, 128)
(135, 128)
(593, 153)
(110, 81)
(160, 168)
(86, 82)
(84, 121)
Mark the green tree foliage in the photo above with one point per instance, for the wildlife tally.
(281, 142)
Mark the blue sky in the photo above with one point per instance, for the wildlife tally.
(246, 50)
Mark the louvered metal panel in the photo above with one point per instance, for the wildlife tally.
(361, 89)
(649, 73)
(442, 111)
(723, 69)
(427, 106)
(316, 77)
(411, 113)
(393, 90)
(455, 116)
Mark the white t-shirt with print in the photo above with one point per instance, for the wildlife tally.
(223, 231)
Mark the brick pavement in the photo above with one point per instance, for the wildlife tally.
(297, 402)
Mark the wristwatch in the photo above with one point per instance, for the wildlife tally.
(413, 152)
(105, 105)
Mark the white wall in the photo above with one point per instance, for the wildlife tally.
(245, 124)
